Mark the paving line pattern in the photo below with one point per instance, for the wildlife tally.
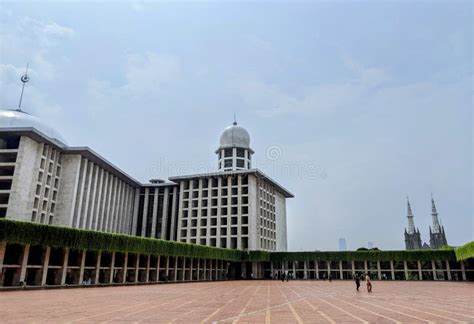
(252, 301)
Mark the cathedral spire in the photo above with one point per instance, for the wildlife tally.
(434, 216)
(411, 223)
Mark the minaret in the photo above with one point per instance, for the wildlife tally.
(412, 234)
(437, 234)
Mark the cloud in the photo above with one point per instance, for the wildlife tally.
(150, 73)
(32, 41)
(53, 28)
(146, 75)
(269, 100)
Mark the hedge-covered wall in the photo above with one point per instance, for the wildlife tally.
(56, 236)
(422, 255)
(465, 252)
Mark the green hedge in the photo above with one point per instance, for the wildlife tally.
(465, 252)
(256, 256)
(422, 255)
(56, 236)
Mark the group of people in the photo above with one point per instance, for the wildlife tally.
(365, 277)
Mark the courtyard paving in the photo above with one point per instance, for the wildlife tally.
(246, 302)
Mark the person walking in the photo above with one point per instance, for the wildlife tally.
(368, 282)
(357, 281)
(283, 277)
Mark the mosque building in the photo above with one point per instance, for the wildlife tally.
(44, 180)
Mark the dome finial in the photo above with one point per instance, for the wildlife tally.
(24, 78)
(235, 120)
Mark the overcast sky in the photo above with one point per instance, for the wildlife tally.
(351, 106)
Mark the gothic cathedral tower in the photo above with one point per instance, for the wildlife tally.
(412, 234)
(437, 234)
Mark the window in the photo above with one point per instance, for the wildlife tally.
(228, 163)
(240, 152)
(240, 163)
(228, 152)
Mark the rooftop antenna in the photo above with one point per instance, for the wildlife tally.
(24, 78)
(235, 120)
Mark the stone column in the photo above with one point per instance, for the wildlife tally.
(379, 271)
(81, 267)
(147, 279)
(216, 266)
(405, 267)
(353, 267)
(392, 270)
(198, 269)
(294, 269)
(205, 269)
(463, 271)
(125, 266)
(154, 213)
(97, 267)
(44, 274)
(316, 266)
(158, 261)
(305, 271)
(137, 267)
(271, 268)
(24, 263)
(175, 268)
(112, 264)
(448, 270)
(341, 275)
(64, 267)
(433, 267)
(167, 268)
(328, 265)
(210, 269)
(366, 270)
(183, 272)
(3, 247)
(420, 274)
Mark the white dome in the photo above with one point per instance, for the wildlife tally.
(235, 136)
(19, 119)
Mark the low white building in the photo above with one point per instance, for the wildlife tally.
(43, 180)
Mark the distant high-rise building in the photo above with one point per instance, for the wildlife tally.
(342, 244)
(437, 234)
(370, 245)
(412, 234)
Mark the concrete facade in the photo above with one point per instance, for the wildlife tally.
(45, 181)
(235, 209)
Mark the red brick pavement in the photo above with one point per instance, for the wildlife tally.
(246, 302)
